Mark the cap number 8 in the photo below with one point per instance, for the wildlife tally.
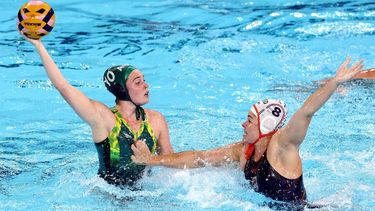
(276, 111)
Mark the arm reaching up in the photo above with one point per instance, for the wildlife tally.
(295, 130)
(89, 110)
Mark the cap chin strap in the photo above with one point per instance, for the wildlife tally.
(139, 111)
(250, 147)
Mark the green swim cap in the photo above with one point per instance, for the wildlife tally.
(115, 79)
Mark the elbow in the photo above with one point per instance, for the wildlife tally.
(60, 84)
(63, 88)
(306, 111)
(309, 115)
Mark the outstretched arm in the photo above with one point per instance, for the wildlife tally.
(87, 109)
(295, 131)
(187, 159)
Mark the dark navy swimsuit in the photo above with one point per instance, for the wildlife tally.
(267, 181)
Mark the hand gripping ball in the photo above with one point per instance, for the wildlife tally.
(36, 19)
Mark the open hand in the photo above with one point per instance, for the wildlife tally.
(141, 153)
(343, 73)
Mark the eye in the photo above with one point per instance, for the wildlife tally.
(25, 10)
(41, 11)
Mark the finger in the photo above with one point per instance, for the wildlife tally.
(359, 64)
(346, 62)
(137, 143)
(358, 68)
(134, 148)
(354, 73)
(135, 160)
(142, 145)
(145, 149)
(22, 34)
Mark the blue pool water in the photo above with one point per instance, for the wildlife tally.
(206, 62)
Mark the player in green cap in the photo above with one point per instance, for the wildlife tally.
(115, 129)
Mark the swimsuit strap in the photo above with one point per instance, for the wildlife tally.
(145, 124)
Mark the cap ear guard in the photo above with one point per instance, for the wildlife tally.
(267, 125)
(272, 115)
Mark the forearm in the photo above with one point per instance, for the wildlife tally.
(197, 159)
(295, 131)
(53, 72)
(366, 74)
(319, 97)
(187, 159)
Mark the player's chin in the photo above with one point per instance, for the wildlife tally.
(144, 100)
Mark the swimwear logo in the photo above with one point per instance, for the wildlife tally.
(128, 136)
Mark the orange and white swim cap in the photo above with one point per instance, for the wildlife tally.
(271, 115)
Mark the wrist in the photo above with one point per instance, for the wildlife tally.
(335, 81)
(37, 43)
(151, 160)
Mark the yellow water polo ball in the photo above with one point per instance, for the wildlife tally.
(36, 19)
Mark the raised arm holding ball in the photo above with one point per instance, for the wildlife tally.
(114, 129)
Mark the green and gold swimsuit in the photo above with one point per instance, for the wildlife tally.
(115, 164)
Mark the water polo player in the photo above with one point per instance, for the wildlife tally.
(268, 153)
(115, 129)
